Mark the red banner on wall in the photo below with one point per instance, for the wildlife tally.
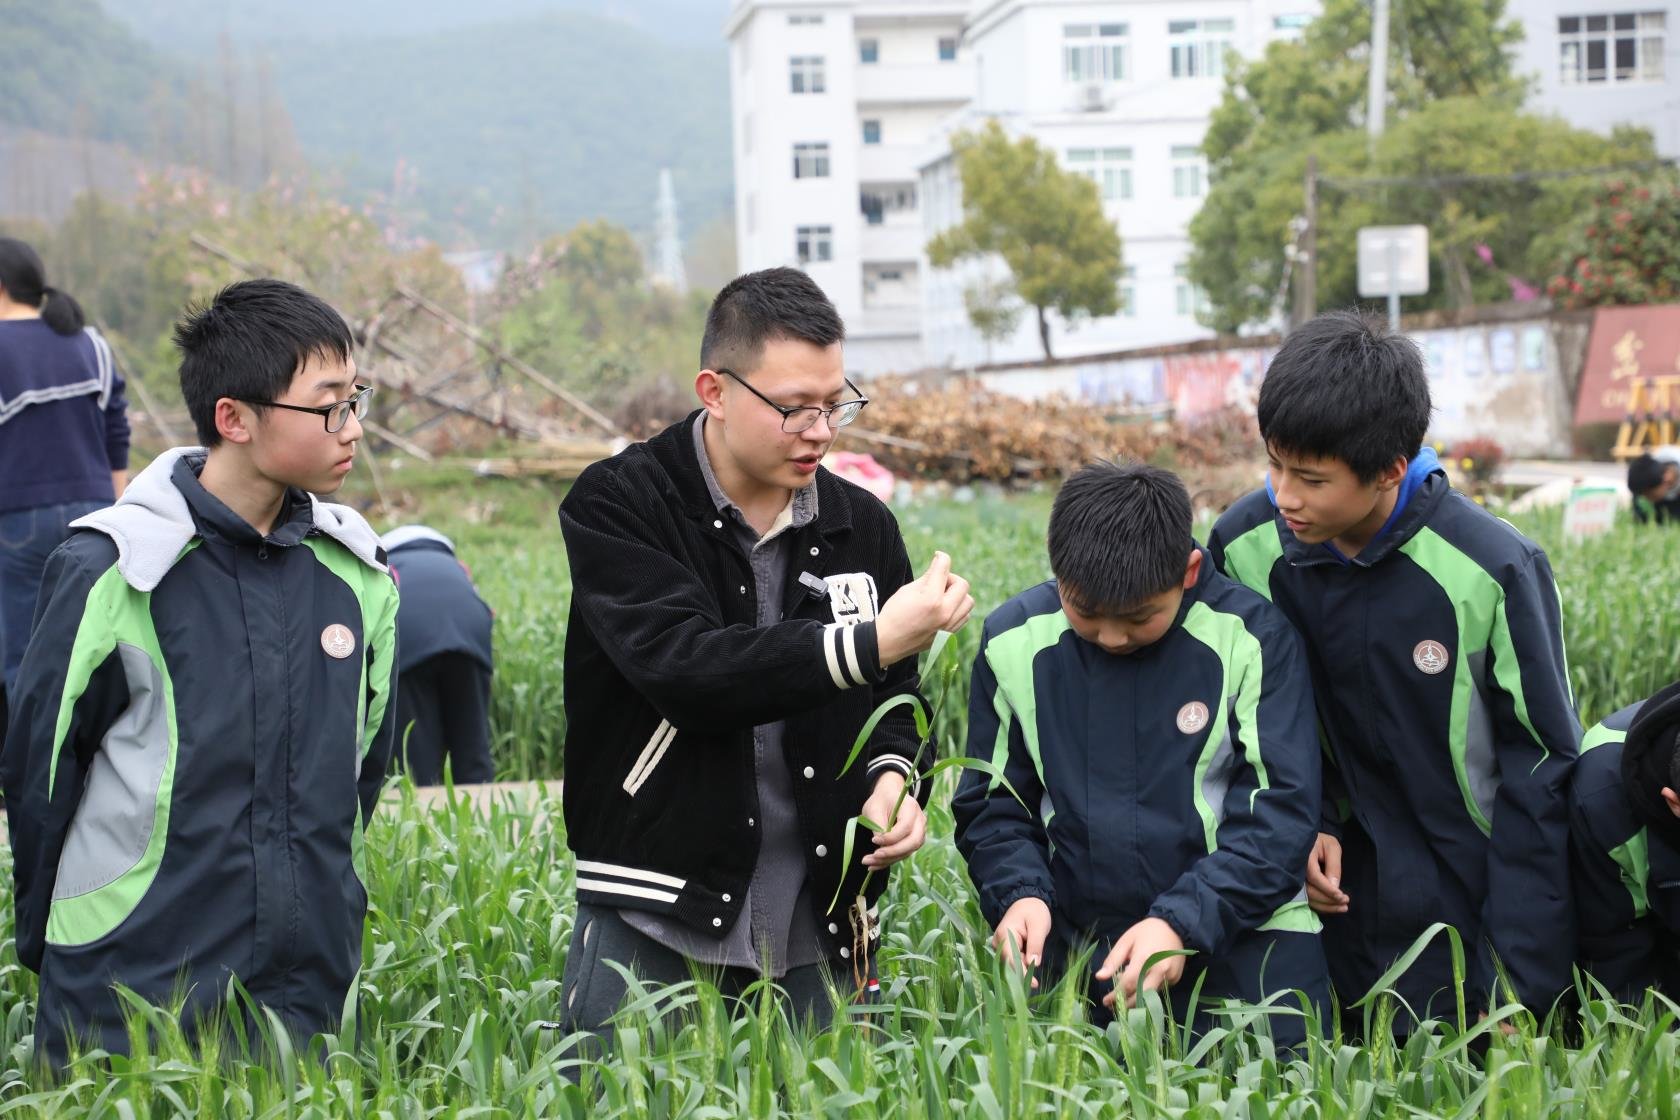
(1626, 343)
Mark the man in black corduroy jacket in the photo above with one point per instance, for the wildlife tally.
(737, 614)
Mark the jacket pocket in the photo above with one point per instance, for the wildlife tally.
(649, 759)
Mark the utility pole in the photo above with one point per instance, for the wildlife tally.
(1306, 258)
(1376, 95)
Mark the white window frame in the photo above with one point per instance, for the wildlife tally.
(1189, 171)
(813, 244)
(811, 160)
(1094, 53)
(1109, 168)
(807, 73)
(1645, 34)
(1197, 47)
(1188, 299)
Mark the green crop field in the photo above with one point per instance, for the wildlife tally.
(470, 921)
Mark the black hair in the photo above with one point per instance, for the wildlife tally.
(1343, 387)
(1119, 534)
(761, 307)
(249, 342)
(25, 279)
(1644, 473)
(1651, 760)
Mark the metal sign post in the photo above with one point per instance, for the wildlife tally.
(1393, 262)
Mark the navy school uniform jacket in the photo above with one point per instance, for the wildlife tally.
(1443, 693)
(200, 729)
(1179, 782)
(1627, 876)
(441, 610)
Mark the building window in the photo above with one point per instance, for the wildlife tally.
(869, 51)
(805, 74)
(871, 132)
(810, 161)
(1187, 171)
(814, 243)
(1128, 291)
(1093, 52)
(878, 202)
(1189, 299)
(805, 19)
(947, 49)
(1199, 46)
(1109, 168)
(1618, 47)
(1291, 25)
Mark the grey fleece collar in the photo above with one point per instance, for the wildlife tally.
(151, 523)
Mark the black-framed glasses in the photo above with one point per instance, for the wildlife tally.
(336, 415)
(803, 419)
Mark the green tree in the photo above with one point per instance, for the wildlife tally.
(1455, 110)
(1047, 224)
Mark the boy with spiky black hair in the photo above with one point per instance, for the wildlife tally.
(1624, 839)
(203, 716)
(1156, 720)
(1433, 630)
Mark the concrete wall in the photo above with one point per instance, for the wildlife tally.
(1509, 375)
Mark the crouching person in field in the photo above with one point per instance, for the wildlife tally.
(1156, 722)
(203, 716)
(737, 613)
(1624, 840)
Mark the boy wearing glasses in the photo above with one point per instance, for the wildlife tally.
(737, 613)
(203, 717)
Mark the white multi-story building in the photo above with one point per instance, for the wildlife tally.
(1120, 92)
(832, 100)
(1601, 63)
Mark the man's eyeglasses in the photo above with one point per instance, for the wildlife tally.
(796, 420)
(336, 415)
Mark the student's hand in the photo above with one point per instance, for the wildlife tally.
(904, 835)
(1019, 937)
(1324, 876)
(934, 601)
(1132, 952)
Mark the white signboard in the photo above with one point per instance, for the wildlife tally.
(1591, 511)
(1393, 260)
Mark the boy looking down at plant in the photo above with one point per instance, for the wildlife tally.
(1156, 721)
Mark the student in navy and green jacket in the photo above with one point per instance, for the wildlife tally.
(1434, 635)
(1156, 720)
(1625, 843)
(203, 716)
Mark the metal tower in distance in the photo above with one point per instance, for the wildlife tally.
(668, 261)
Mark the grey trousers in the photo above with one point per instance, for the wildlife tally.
(592, 991)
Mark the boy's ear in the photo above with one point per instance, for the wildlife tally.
(1393, 474)
(235, 420)
(1193, 569)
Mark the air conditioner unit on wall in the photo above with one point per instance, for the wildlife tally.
(1092, 98)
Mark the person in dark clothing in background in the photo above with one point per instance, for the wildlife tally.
(63, 436)
(444, 658)
(1654, 479)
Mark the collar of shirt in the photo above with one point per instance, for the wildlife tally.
(800, 510)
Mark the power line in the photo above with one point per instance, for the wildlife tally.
(1362, 182)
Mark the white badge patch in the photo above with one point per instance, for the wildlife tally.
(852, 595)
(338, 641)
(1430, 657)
(1192, 717)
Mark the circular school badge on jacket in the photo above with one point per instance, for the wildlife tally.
(1430, 657)
(338, 641)
(1192, 717)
